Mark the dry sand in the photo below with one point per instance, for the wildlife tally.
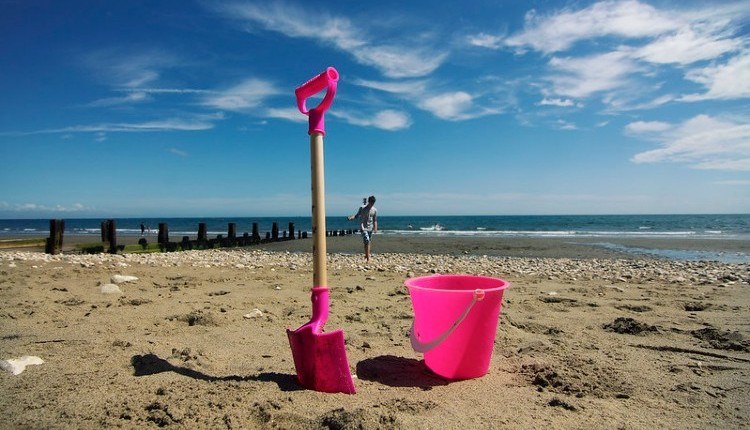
(590, 343)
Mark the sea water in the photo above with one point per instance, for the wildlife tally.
(597, 228)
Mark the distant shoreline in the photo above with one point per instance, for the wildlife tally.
(735, 251)
(578, 248)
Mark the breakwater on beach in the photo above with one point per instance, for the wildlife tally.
(675, 237)
(721, 226)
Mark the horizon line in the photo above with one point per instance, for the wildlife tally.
(3, 218)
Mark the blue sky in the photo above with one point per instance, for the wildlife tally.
(180, 108)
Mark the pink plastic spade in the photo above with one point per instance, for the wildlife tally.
(320, 358)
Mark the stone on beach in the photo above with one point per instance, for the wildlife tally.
(607, 271)
(552, 360)
(111, 289)
(16, 366)
(121, 279)
(255, 313)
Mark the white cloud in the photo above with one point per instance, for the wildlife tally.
(138, 95)
(291, 114)
(400, 61)
(686, 47)
(194, 123)
(395, 61)
(556, 102)
(450, 106)
(565, 125)
(125, 68)
(35, 207)
(246, 95)
(560, 31)
(134, 97)
(639, 127)
(391, 120)
(658, 101)
(742, 164)
(388, 119)
(178, 152)
(583, 77)
(167, 90)
(485, 40)
(629, 43)
(294, 21)
(703, 142)
(724, 81)
(453, 106)
(171, 124)
(406, 88)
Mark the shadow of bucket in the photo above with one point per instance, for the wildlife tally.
(455, 322)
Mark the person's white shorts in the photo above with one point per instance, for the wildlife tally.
(367, 236)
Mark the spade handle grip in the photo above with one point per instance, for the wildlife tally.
(327, 80)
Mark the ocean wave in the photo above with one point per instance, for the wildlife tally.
(87, 230)
(564, 233)
(717, 227)
(435, 227)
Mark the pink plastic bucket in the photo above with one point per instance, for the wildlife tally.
(455, 322)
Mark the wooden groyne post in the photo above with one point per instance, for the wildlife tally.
(55, 240)
(109, 235)
(112, 236)
(256, 234)
(202, 233)
(232, 231)
(291, 230)
(163, 237)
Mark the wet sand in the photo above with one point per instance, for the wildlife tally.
(548, 247)
(587, 339)
(517, 246)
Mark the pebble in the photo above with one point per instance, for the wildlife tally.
(121, 279)
(16, 366)
(255, 313)
(110, 289)
(560, 269)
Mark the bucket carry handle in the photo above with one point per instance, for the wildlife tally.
(423, 347)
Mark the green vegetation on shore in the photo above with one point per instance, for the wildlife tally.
(22, 243)
(141, 248)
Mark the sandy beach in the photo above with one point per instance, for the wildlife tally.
(529, 247)
(587, 338)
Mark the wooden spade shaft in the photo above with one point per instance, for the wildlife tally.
(320, 275)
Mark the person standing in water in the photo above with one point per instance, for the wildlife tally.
(368, 223)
